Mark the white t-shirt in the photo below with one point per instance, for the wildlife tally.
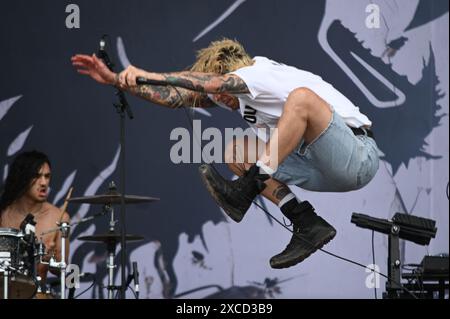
(270, 84)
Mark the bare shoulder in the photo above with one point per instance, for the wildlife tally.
(54, 213)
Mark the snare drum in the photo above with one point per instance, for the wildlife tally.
(16, 253)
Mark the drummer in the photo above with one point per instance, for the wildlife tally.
(25, 191)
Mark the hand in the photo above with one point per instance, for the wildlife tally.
(95, 68)
(127, 78)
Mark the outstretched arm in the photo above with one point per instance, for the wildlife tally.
(163, 95)
(195, 81)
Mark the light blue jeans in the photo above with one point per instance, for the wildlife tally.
(336, 161)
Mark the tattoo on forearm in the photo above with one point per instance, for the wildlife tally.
(160, 95)
(281, 191)
(171, 97)
(234, 84)
(210, 83)
(184, 83)
(159, 92)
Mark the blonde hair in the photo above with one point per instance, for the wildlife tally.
(221, 57)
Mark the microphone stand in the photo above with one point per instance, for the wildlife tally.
(121, 107)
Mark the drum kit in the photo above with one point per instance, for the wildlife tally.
(21, 253)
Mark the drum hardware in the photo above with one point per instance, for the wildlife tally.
(18, 260)
(64, 228)
(112, 238)
(17, 264)
(112, 197)
(5, 268)
(61, 265)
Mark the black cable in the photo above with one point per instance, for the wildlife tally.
(399, 285)
(373, 261)
(84, 291)
(134, 292)
(415, 279)
(129, 287)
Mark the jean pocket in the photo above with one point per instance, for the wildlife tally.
(302, 149)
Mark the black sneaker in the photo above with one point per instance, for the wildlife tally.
(311, 232)
(235, 197)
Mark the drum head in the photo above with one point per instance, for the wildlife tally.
(20, 287)
(9, 232)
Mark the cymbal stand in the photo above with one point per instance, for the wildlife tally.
(64, 228)
(61, 265)
(111, 249)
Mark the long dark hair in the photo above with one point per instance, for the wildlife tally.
(23, 170)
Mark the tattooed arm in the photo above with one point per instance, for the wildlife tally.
(171, 97)
(195, 81)
(207, 82)
(164, 95)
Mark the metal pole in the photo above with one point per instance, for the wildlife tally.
(123, 248)
(111, 267)
(5, 281)
(64, 233)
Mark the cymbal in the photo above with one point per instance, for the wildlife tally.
(108, 237)
(112, 198)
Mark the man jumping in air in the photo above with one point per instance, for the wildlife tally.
(322, 141)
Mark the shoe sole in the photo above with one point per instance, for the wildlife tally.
(206, 173)
(298, 260)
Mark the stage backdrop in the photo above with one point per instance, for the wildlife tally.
(393, 66)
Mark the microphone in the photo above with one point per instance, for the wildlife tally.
(102, 43)
(102, 54)
(136, 279)
(144, 81)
